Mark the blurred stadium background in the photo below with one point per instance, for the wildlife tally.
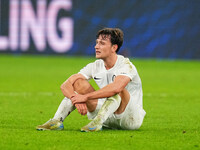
(55, 29)
(153, 29)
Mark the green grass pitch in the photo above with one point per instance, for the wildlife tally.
(30, 94)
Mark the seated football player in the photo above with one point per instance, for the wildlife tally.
(118, 103)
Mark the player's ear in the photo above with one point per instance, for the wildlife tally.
(114, 47)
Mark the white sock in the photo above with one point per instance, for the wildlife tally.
(65, 108)
(109, 107)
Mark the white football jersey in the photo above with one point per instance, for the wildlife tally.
(123, 66)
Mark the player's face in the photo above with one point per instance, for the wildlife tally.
(103, 47)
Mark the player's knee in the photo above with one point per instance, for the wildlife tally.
(82, 86)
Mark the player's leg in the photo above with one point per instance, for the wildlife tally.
(125, 96)
(66, 107)
(130, 118)
(110, 105)
(115, 104)
(82, 86)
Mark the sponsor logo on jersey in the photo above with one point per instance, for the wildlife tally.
(96, 78)
(123, 73)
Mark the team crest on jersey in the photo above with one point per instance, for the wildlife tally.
(113, 77)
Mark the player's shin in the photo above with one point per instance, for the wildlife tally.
(109, 107)
(64, 109)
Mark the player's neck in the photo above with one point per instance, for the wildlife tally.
(110, 61)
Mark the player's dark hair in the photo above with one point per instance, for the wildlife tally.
(116, 36)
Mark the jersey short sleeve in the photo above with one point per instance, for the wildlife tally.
(127, 69)
(87, 71)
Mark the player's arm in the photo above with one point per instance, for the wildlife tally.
(67, 87)
(116, 87)
(68, 91)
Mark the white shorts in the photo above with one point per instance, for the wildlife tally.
(130, 119)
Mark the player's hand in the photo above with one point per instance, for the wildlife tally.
(78, 98)
(82, 108)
